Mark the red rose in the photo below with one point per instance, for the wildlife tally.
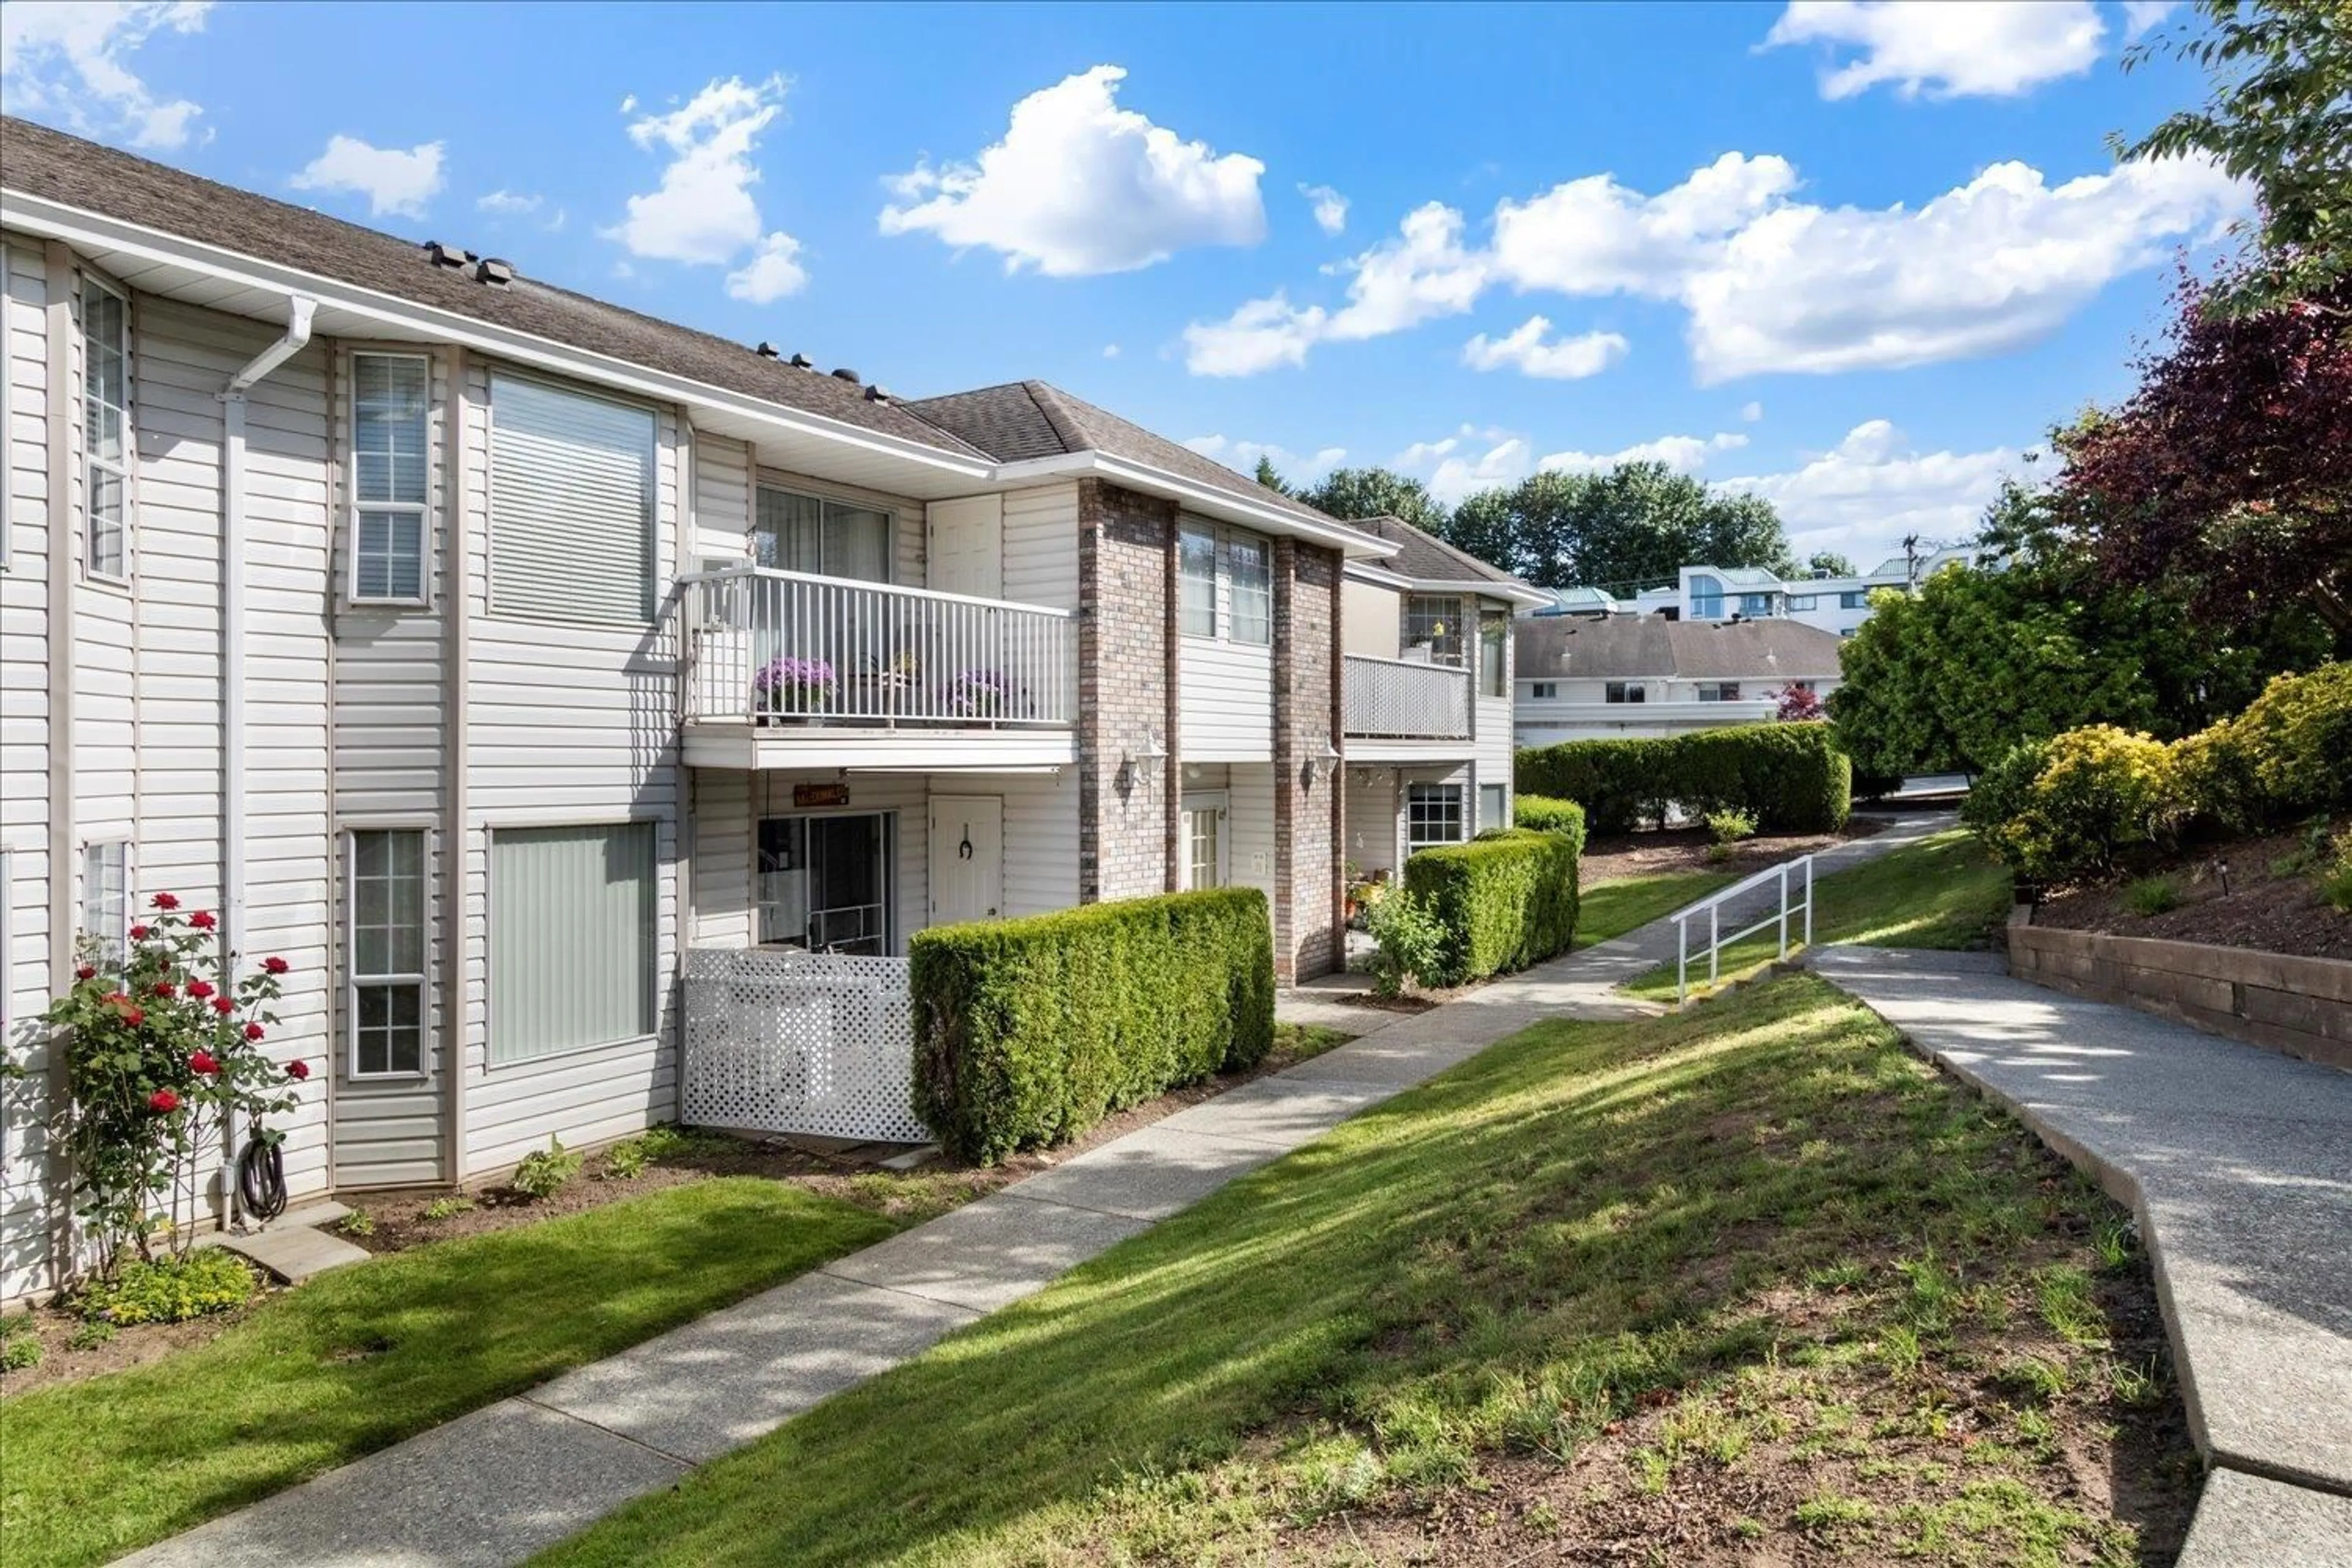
(166, 901)
(116, 999)
(163, 1101)
(202, 920)
(223, 1006)
(252, 1031)
(298, 1068)
(86, 973)
(139, 934)
(133, 1017)
(204, 1062)
(164, 989)
(200, 989)
(274, 965)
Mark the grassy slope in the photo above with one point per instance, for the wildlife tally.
(1625, 1261)
(1942, 892)
(362, 1357)
(1612, 909)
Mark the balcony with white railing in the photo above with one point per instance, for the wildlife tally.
(1409, 706)
(791, 669)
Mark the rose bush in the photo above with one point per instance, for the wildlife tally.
(162, 1046)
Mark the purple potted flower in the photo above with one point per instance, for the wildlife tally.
(790, 685)
(979, 693)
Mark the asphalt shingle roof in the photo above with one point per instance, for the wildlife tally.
(1423, 555)
(1619, 648)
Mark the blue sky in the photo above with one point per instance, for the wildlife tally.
(1857, 256)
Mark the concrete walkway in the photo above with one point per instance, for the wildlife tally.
(2237, 1163)
(494, 1487)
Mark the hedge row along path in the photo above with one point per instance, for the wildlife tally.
(493, 1487)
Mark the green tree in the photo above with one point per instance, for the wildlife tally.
(1376, 492)
(1268, 476)
(2279, 116)
(1637, 524)
(1831, 564)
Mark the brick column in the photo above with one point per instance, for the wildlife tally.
(1307, 845)
(1127, 697)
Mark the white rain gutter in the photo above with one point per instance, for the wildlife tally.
(300, 308)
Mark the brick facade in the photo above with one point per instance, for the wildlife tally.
(1310, 825)
(1126, 693)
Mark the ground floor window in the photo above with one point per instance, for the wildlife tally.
(1204, 843)
(573, 953)
(106, 898)
(1493, 807)
(825, 883)
(1433, 815)
(387, 952)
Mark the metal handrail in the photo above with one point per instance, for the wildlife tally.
(1712, 906)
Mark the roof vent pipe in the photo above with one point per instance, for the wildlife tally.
(877, 394)
(447, 255)
(802, 361)
(845, 373)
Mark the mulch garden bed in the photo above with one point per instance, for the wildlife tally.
(2271, 903)
(1653, 854)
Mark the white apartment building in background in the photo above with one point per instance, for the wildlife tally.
(1834, 605)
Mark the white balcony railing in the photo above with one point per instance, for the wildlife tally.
(1399, 700)
(787, 646)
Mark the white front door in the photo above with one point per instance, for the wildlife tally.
(1207, 846)
(967, 858)
(966, 547)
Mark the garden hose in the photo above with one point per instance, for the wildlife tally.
(261, 1179)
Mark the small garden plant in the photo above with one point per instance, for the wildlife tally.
(448, 1207)
(170, 1289)
(2153, 896)
(19, 1347)
(542, 1173)
(1409, 938)
(2335, 875)
(357, 1223)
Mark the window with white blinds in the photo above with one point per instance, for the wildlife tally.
(572, 505)
(572, 938)
(391, 472)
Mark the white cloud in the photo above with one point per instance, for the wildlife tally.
(1262, 335)
(1080, 186)
(1562, 359)
(1295, 467)
(774, 272)
(1469, 460)
(394, 181)
(510, 204)
(1993, 266)
(1751, 412)
(1987, 49)
(2140, 16)
(703, 212)
(1330, 207)
(1594, 236)
(1683, 454)
(1865, 494)
(1111, 350)
(64, 59)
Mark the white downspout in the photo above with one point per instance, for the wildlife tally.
(299, 311)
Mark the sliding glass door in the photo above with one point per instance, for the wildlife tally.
(825, 883)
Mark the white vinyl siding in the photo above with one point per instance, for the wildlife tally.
(387, 952)
(572, 938)
(106, 429)
(391, 476)
(572, 505)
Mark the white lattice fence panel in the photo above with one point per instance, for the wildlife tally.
(797, 1042)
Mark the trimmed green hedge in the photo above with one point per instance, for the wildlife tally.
(1792, 778)
(1029, 1031)
(1506, 899)
(1545, 815)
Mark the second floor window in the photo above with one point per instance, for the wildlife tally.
(106, 429)
(1251, 574)
(1493, 656)
(1859, 600)
(1719, 691)
(1224, 583)
(1544, 688)
(571, 504)
(1626, 691)
(1196, 587)
(1433, 621)
(1803, 601)
(390, 476)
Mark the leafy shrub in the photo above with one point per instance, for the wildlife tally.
(19, 1347)
(542, 1172)
(1503, 901)
(2335, 876)
(170, 1289)
(1720, 854)
(1408, 939)
(627, 1161)
(359, 1222)
(1790, 778)
(2100, 789)
(2288, 754)
(1030, 1031)
(89, 1336)
(1730, 826)
(1543, 813)
(448, 1207)
(2003, 791)
(2152, 895)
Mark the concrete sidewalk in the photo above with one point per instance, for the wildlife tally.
(493, 1487)
(2237, 1163)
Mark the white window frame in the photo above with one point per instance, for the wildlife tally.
(1543, 690)
(1495, 632)
(422, 978)
(422, 510)
(1414, 794)
(792, 485)
(91, 463)
(117, 951)
(1190, 586)
(1228, 539)
(1723, 692)
(1626, 692)
(1452, 617)
(1804, 601)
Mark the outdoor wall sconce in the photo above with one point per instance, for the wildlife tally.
(1132, 765)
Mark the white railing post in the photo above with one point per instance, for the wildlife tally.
(1714, 945)
(1809, 900)
(1681, 960)
(1784, 908)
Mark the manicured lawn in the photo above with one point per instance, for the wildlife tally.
(364, 1356)
(1612, 909)
(1942, 892)
(1751, 1279)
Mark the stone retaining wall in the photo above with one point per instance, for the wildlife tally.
(2301, 1006)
